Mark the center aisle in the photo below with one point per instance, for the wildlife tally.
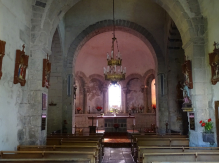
(117, 155)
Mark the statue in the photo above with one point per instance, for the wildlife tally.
(186, 96)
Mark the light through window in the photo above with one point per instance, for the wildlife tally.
(153, 94)
(114, 96)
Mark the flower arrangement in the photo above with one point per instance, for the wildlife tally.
(208, 125)
(99, 108)
(78, 109)
(114, 110)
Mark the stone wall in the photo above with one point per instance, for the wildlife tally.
(20, 107)
(55, 90)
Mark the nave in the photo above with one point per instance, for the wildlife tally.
(144, 148)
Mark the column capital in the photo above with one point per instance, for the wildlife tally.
(125, 90)
(105, 89)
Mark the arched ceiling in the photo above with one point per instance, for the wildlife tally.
(135, 54)
(184, 13)
(142, 12)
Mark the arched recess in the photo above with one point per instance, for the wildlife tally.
(81, 91)
(105, 26)
(148, 99)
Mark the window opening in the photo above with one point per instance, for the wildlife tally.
(153, 94)
(114, 96)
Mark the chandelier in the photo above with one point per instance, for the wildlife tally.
(114, 71)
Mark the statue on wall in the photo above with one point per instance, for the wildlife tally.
(2, 53)
(187, 71)
(21, 64)
(46, 72)
(214, 63)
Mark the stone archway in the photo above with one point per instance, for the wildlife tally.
(185, 14)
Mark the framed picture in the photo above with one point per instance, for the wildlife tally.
(46, 72)
(44, 101)
(21, 64)
(2, 53)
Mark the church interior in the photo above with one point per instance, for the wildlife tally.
(109, 81)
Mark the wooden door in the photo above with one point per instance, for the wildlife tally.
(217, 120)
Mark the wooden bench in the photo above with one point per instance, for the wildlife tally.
(57, 141)
(73, 136)
(147, 149)
(181, 157)
(70, 160)
(168, 142)
(87, 148)
(135, 137)
(76, 155)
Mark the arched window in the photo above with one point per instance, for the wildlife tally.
(153, 94)
(114, 96)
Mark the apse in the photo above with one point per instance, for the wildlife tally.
(136, 56)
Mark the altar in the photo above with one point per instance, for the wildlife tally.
(113, 123)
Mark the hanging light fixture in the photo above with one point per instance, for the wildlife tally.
(114, 71)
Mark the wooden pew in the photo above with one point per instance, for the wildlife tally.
(57, 141)
(77, 155)
(166, 142)
(162, 142)
(73, 135)
(63, 160)
(87, 148)
(147, 149)
(181, 157)
(135, 137)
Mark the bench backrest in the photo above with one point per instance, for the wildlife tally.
(57, 141)
(48, 155)
(181, 157)
(146, 149)
(162, 142)
(62, 160)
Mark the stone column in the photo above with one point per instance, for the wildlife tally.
(105, 90)
(85, 99)
(145, 99)
(124, 99)
(202, 91)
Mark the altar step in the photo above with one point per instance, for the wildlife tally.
(117, 140)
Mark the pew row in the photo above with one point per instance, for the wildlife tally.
(181, 157)
(57, 141)
(165, 142)
(147, 149)
(85, 148)
(134, 138)
(74, 136)
(75, 155)
(71, 160)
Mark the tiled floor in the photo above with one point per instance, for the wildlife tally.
(117, 155)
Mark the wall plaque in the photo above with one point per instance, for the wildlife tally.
(187, 71)
(46, 72)
(214, 63)
(2, 53)
(21, 64)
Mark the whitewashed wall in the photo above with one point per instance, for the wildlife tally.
(15, 16)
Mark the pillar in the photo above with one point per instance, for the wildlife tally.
(124, 99)
(105, 104)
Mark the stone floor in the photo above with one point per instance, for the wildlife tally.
(117, 155)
